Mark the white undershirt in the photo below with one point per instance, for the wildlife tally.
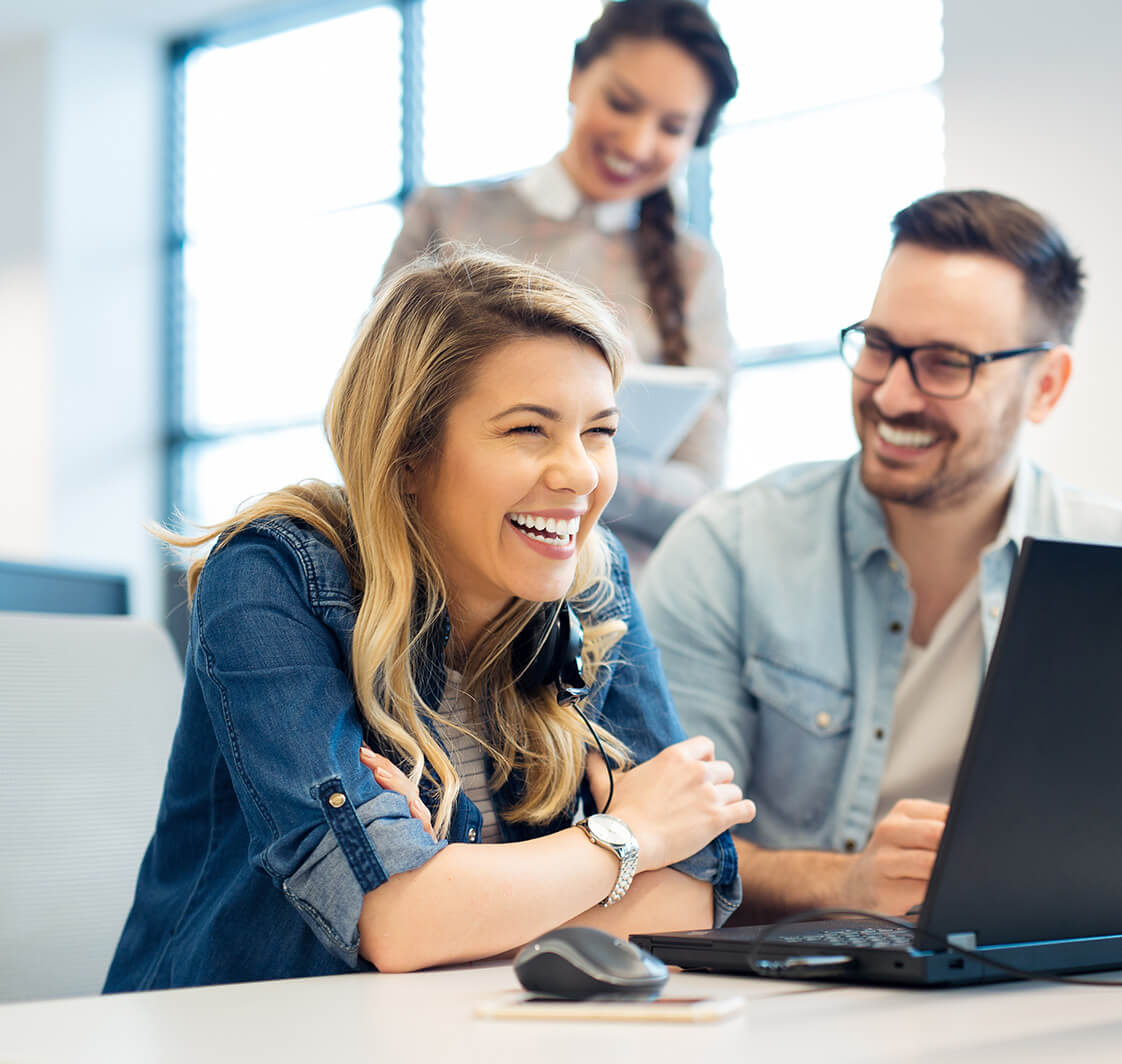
(934, 706)
(468, 755)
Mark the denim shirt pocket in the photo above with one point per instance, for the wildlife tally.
(802, 733)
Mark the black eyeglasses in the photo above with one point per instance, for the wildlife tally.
(938, 370)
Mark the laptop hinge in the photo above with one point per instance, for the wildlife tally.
(963, 939)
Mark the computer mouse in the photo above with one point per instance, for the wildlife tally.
(583, 962)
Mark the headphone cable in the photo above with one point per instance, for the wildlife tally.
(603, 754)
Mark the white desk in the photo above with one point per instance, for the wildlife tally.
(427, 1019)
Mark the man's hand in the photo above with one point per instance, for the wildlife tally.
(891, 874)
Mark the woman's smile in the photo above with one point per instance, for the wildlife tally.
(525, 467)
(558, 532)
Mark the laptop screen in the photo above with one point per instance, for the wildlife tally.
(1032, 849)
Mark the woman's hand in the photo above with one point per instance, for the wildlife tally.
(390, 777)
(675, 803)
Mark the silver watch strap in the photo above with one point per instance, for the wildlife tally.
(627, 865)
(626, 850)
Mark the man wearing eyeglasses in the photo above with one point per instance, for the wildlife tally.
(829, 625)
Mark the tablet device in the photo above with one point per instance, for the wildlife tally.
(659, 405)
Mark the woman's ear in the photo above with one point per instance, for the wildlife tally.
(1049, 379)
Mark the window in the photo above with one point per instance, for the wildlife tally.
(296, 148)
(837, 125)
(291, 169)
(512, 115)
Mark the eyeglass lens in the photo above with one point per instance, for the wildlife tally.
(939, 371)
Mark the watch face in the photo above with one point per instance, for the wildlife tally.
(610, 829)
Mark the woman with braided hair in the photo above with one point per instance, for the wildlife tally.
(649, 81)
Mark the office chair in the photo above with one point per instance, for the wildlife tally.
(88, 706)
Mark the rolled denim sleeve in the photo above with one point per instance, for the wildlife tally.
(638, 709)
(277, 684)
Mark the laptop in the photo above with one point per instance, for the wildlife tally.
(1029, 869)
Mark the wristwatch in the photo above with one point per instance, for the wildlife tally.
(613, 834)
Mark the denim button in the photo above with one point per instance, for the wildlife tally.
(472, 835)
(822, 720)
(337, 800)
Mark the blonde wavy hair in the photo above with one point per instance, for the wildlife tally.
(415, 355)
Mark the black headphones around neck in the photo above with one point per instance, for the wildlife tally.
(552, 646)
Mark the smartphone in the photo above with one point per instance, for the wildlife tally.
(615, 1009)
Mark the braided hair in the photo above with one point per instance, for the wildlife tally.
(690, 27)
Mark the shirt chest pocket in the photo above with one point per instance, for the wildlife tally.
(801, 737)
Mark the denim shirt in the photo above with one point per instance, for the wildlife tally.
(782, 612)
(270, 830)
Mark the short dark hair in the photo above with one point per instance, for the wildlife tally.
(977, 220)
(682, 22)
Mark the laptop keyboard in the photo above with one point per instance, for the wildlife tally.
(862, 937)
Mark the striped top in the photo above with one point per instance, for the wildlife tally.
(468, 756)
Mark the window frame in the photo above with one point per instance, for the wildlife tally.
(179, 438)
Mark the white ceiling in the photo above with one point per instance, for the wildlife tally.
(29, 18)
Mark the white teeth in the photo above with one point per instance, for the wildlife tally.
(904, 437)
(556, 529)
(619, 166)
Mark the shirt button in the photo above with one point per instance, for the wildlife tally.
(822, 720)
(337, 800)
(894, 565)
(879, 733)
(895, 626)
(850, 845)
(472, 835)
(995, 612)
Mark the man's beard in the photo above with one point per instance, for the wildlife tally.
(943, 486)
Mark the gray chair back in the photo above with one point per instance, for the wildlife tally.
(88, 706)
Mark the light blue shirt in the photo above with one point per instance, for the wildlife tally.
(782, 611)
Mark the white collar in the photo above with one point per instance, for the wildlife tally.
(552, 192)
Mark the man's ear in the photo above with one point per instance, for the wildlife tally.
(573, 75)
(1049, 379)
